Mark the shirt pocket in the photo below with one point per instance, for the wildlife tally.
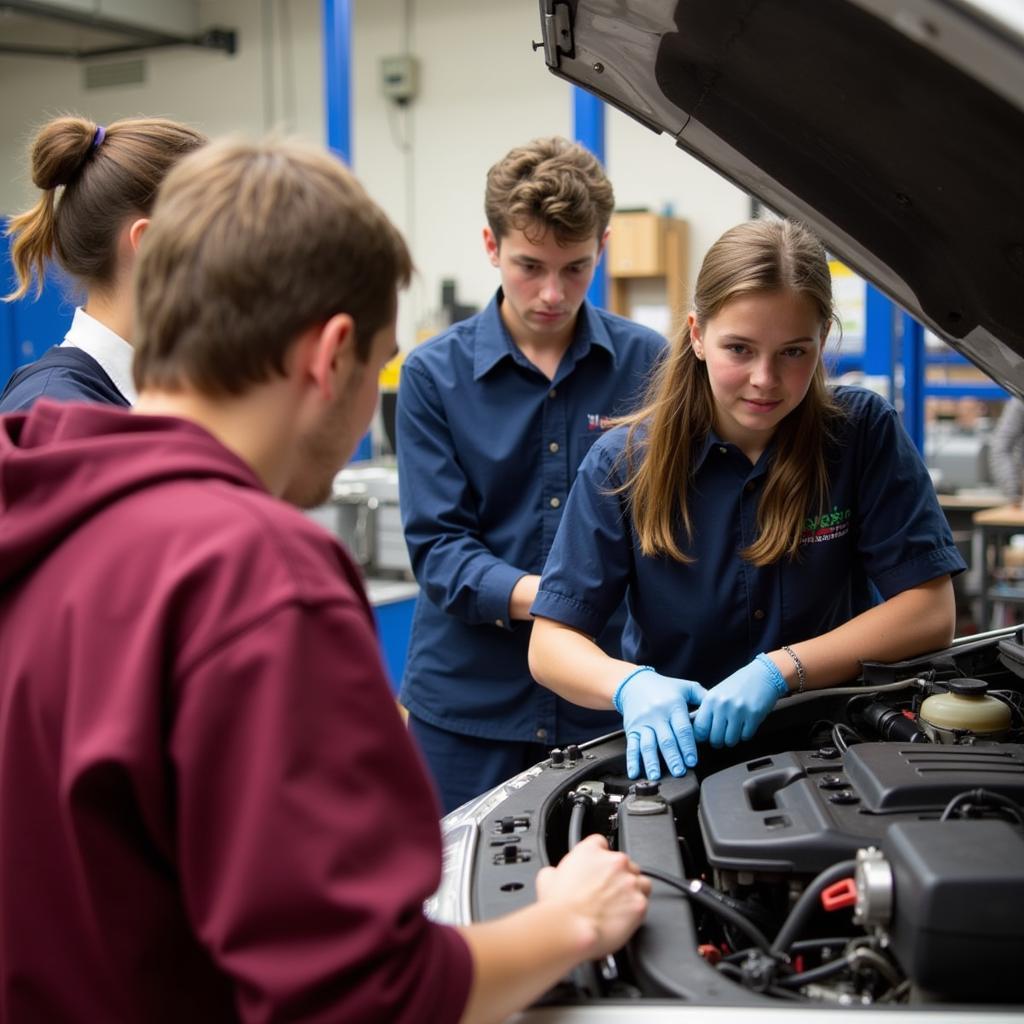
(583, 442)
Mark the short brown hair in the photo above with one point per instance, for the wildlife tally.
(252, 243)
(550, 183)
(92, 179)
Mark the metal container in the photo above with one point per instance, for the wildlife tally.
(363, 512)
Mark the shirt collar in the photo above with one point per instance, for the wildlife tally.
(712, 441)
(591, 330)
(110, 350)
(494, 343)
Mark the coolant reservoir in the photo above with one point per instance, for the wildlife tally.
(968, 707)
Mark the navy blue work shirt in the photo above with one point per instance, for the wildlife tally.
(883, 529)
(488, 448)
(65, 374)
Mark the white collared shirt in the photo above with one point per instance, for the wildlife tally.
(110, 350)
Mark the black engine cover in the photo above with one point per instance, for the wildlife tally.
(959, 891)
(800, 812)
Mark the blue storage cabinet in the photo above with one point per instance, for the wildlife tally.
(30, 326)
(393, 604)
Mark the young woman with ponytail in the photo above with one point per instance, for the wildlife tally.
(769, 532)
(98, 186)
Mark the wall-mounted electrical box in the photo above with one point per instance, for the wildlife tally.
(399, 77)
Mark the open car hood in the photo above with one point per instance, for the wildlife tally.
(894, 130)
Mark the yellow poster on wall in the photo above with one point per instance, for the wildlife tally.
(848, 294)
(390, 372)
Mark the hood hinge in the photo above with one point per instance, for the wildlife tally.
(557, 25)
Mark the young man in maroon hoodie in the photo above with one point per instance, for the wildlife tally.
(209, 806)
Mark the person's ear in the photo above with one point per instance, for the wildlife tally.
(136, 230)
(491, 246)
(333, 356)
(602, 243)
(696, 335)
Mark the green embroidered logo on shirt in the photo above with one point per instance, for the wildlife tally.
(828, 526)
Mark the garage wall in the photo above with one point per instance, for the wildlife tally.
(482, 90)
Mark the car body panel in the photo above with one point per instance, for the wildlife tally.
(895, 131)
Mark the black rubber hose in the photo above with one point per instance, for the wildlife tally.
(585, 975)
(816, 973)
(804, 907)
(800, 946)
(579, 811)
(984, 798)
(710, 899)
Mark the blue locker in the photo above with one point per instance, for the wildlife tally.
(30, 326)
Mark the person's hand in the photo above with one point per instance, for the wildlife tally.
(603, 891)
(734, 709)
(655, 715)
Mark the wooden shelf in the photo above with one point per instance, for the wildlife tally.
(645, 245)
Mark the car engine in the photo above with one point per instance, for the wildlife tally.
(865, 847)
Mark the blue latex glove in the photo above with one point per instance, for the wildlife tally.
(655, 715)
(735, 708)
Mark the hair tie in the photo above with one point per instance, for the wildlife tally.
(97, 139)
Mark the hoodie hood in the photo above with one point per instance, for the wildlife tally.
(61, 464)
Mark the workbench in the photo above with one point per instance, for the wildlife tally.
(992, 528)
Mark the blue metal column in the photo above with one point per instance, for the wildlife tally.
(338, 107)
(338, 76)
(588, 130)
(879, 331)
(913, 379)
(8, 354)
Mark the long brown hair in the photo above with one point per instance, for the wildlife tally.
(758, 256)
(92, 180)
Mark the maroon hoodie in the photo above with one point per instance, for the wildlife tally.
(209, 806)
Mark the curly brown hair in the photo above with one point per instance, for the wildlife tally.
(550, 183)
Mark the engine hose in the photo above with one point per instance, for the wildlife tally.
(586, 976)
(810, 696)
(885, 722)
(710, 899)
(579, 811)
(800, 946)
(816, 973)
(805, 906)
(856, 958)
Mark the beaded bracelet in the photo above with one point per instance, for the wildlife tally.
(800, 673)
(617, 698)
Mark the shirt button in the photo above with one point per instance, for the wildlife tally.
(759, 614)
(500, 623)
(749, 486)
(723, 450)
(552, 393)
(554, 503)
(542, 734)
(553, 447)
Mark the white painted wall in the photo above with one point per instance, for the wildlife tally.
(483, 90)
(251, 91)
